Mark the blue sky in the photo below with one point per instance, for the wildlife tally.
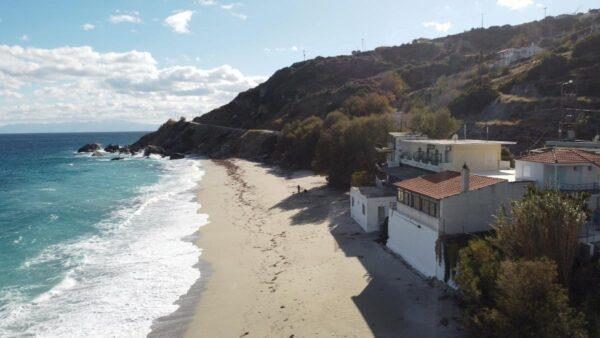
(150, 60)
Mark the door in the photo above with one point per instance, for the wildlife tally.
(380, 215)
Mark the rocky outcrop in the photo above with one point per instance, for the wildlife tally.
(155, 150)
(214, 141)
(176, 156)
(97, 153)
(89, 148)
(112, 148)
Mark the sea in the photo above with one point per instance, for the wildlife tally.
(90, 246)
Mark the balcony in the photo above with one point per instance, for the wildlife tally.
(423, 160)
(579, 186)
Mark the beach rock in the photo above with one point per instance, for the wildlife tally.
(97, 153)
(112, 148)
(151, 149)
(125, 150)
(176, 156)
(89, 148)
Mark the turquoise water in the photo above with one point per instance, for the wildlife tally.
(85, 241)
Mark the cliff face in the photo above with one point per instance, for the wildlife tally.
(526, 103)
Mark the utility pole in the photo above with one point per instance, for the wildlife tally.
(482, 20)
(304, 54)
(545, 11)
(363, 45)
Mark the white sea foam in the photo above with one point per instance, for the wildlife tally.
(131, 273)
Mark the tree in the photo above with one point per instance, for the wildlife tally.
(362, 178)
(476, 278)
(392, 82)
(438, 124)
(473, 101)
(347, 146)
(531, 303)
(298, 141)
(369, 104)
(543, 224)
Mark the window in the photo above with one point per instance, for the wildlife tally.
(352, 198)
(589, 168)
(363, 209)
(574, 168)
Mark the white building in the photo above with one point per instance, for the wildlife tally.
(444, 203)
(563, 169)
(369, 206)
(418, 151)
(511, 55)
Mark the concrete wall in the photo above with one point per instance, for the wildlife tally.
(415, 243)
(369, 220)
(531, 171)
(473, 211)
(479, 157)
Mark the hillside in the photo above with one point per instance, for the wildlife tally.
(522, 101)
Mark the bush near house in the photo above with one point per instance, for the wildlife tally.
(518, 282)
(438, 124)
(362, 178)
(348, 145)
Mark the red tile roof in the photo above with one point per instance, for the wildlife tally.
(445, 184)
(563, 156)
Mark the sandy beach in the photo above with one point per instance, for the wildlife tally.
(280, 264)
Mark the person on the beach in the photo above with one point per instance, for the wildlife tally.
(298, 188)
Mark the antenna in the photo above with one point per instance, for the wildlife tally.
(545, 11)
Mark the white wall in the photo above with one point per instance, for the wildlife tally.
(369, 220)
(474, 211)
(531, 171)
(415, 243)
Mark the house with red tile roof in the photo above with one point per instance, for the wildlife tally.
(444, 203)
(566, 169)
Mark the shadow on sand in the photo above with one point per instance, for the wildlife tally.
(397, 302)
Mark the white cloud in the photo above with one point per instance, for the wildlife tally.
(87, 26)
(179, 21)
(55, 85)
(282, 49)
(125, 17)
(239, 15)
(438, 26)
(25, 37)
(515, 4)
(207, 2)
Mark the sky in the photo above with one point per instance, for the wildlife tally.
(146, 61)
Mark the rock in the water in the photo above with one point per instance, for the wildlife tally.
(89, 148)
(97, 153)
(176, 156)
(112, 148)
(117, 158)
(125, 150)
(149, 150)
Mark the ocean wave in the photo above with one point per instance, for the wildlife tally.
(125, 276)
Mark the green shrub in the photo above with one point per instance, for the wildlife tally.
(347, 146)
(362, 178)
(368, 104)
(531, 303)
(438, 124)
(298, 141)
(550, 67)
(587, 51)
(473, 101)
